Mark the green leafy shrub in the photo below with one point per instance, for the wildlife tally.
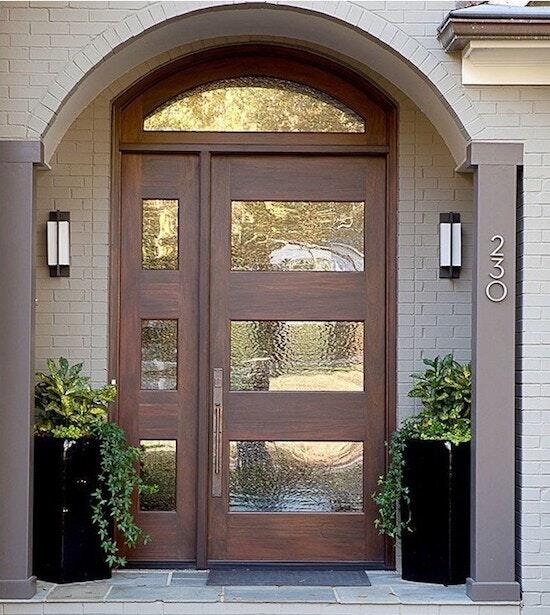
(69, 407)
(444, 389)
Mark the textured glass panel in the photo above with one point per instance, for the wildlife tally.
(159, 468)
(159, 241)
(159, 350)
(254, 104)
(297, 236)
(296, 476)
(288, 355)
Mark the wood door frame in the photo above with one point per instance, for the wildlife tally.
(273, 144)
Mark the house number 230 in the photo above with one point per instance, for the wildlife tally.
(496, 290)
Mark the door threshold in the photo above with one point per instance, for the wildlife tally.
(221, 564)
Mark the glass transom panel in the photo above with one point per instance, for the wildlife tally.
(254, 104)
(287, 355)
(300, 476)
(297, 236)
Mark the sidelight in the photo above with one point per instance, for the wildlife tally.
(301, 476)
(254, 104)
(297, 236)
(287, 355)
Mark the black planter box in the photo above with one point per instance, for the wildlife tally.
(66, 544)
(437, 475)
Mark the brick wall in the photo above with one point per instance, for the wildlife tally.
(72, 313)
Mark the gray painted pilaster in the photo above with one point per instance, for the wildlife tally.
(17, 159)
(495, 167)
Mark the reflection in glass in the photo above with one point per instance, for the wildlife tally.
(159, 242)
(159, 349)
(254, 104)
(287, 355)
(297, 236)
(159, 468)
(295, 476)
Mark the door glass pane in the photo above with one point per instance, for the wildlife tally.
(159, 468)
(295, 476)
(297, 236)
(159, 236)
(159, 350)
(254, 104)
(287, 355)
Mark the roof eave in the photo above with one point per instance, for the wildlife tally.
(456, 32)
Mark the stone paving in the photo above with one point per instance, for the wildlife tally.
(185, 592)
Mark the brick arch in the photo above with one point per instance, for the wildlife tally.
(344, 26)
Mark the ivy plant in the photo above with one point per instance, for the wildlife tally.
(444, 389)
(69, 407)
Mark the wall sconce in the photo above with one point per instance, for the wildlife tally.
(450, 245)
(59, 245)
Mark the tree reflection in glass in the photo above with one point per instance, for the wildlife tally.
(286, 355)
(254, 104)
(297, 235)
(159, 354)
(282, 476)
(159, 468)
(159, 234)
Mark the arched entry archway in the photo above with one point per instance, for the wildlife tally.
(255, 333)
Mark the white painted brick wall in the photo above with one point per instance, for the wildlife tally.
(38, 39)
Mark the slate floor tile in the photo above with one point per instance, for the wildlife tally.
(383, 577)
(191, 573)
(382, 594)
(190, 578)
(431, 594)
(43, 588)
(278, 594)
(95, 590)
(167, 594)
(140, 579)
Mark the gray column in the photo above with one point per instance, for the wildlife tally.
(17, 159)
(495, 167)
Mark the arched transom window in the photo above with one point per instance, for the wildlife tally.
(254, 104)
(254, 95)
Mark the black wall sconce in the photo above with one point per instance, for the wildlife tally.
(59, 244)
(450, 245)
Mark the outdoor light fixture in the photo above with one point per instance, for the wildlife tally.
(59, 245)
(450, 245)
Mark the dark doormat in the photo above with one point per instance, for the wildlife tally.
(241, 575)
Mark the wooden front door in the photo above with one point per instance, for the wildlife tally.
(252, 288)
(298, 352)
(296, 365)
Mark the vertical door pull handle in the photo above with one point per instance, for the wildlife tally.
(217, 431)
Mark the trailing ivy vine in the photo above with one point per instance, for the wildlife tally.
(444, 389)
(113, 498)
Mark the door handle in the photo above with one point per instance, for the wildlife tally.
(217, 431)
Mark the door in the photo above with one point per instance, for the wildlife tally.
(298, 358)
(295, 425)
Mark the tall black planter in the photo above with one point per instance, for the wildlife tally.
(437, 475)
(66, 544)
